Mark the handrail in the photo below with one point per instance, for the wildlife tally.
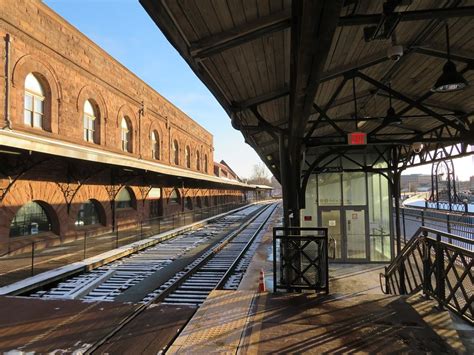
(436, 266)
(333, 241)
(448, 235)
(443, 212)
(408, 246)
(152, 219)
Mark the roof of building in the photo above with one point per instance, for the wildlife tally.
(34, 143)
(292, 70)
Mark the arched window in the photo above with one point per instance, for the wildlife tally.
(206, 201)
(198, 202)
(198, 161)
(205, 163)
(188, 157)
(126, 135)
(124, 199)
(176, 152)
(30, 219)
(89, 122)
(175, 197)
(34, 102)
(189, 203)
(155, 145)
(88, 214)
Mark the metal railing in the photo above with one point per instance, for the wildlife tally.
(460, 224)
(432, 263)
(445, 205)
(29, 258)
(300, 259)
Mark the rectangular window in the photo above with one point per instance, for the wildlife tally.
(125, 141)
(379, 218)
(37, 120)
(33, 112)
(28, 113)
(28, 102)
(38, 105)
(89, 129)
(28, 118)
(354, 189)
(329, 190)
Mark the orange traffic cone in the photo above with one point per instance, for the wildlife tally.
(261, 282)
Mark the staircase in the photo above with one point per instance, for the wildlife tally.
(435, 262)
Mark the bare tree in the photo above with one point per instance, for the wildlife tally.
(259, 175)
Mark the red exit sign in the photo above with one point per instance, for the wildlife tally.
(357, 138)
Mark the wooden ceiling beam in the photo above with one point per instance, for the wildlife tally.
(350, 98)
(442, 54)
(236, 36)
(418, 15)
(430, 102)
(362, 64)
(313, 26)
(261, 99)
(412, 103)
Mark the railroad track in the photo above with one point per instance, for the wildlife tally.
(222, 267)
(108, 282)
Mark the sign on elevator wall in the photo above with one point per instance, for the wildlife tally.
(332, 223)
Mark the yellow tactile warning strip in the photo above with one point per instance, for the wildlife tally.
(217, 326)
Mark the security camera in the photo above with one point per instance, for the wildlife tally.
(395, 52)
(417, 147)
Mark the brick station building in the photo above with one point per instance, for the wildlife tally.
(84, 143)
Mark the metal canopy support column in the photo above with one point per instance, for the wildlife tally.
(396, 196)
(283, 177)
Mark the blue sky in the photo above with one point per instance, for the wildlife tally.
(124, 30)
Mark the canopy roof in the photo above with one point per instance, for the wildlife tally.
(288, 71)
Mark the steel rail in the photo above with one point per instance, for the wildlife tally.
(160, 297)
(234, 265)
(198, 266)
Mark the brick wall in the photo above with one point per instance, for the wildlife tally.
(72, 69)
(62, 185)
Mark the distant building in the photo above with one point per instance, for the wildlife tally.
(415, 182)
(223, 170)
(276, 192)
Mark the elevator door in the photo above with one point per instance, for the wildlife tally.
(347, 226)
(356, 234)
(332, 220)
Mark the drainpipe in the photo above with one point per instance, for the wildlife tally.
(8, 122)
(141, 113)
(169, 139)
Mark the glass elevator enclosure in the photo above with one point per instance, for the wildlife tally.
(356, 209)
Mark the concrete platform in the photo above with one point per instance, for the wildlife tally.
(217, 326)
(150, 332)
(46, 326)
(354, 318)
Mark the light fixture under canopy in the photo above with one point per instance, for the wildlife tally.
(391, 117)
(450, 80)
